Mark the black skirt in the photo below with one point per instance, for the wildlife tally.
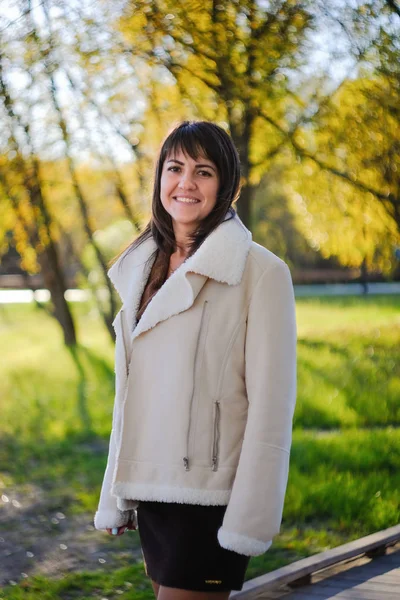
(181, 550)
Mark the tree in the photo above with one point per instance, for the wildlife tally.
(33, 222)
(350, 173)
(236, 55)
(31, 192)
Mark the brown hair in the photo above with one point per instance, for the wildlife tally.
(192, 138)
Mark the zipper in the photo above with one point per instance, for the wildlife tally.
(118, 424)
(186, 458)
(216, 437)
(124, 342)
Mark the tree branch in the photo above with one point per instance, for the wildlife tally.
(325, 166)
(392, 4)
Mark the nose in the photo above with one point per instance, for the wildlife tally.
(186, 182)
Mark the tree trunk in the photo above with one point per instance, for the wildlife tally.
(240, 133)
(244, 205)
(55, 283)
(364, 276)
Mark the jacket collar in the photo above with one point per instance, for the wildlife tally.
(222, 257)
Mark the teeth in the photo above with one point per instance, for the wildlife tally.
(187, 200)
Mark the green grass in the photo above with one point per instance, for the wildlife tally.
(127, 583)
(345, 464)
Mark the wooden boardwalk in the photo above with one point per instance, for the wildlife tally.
(360, 579)
(365, 569)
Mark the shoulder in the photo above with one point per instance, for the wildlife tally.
(260, 260)
(269, 281)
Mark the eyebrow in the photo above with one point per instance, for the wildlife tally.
(197, 164)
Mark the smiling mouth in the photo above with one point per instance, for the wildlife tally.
(183, 200)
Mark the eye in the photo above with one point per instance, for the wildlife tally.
(206, 173)
(172, 168)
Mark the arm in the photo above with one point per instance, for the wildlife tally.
(255, 507)
(108, 514)
(113, 512)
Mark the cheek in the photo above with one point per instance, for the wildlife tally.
(164, 194)
(213, 190)
(165, 184)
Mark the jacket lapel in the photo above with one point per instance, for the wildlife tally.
(129, 274)
(222, 257)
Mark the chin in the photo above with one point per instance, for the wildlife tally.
(183, 221)
(181, 217)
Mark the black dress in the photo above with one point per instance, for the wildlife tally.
(181, 550)
(179, 541)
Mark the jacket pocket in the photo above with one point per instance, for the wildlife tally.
(215, 447)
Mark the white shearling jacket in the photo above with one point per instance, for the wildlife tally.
(205, 387)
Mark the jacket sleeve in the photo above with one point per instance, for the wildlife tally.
(110, 513)
(113, 511)
(254, 512)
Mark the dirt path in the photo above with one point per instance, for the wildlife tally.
(36, 540)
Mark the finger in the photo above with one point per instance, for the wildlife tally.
(114, 531)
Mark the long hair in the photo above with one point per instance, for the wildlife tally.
(193, 138)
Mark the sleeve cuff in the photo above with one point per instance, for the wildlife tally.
(107, 519)
(241, 543)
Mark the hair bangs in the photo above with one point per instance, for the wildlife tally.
(190, 142)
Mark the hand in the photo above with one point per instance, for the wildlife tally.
(120, 530)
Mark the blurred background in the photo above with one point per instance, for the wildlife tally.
(310, 93)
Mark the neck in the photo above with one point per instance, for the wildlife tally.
(182, 232)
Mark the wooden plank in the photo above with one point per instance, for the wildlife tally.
(254, 587)
(373, 569)
(343, 584)
(393, 560)
(379, 578)
(390, 576)
(345, 595)
(376, 569)
(366, 586)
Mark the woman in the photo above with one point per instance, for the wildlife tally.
(205, 378)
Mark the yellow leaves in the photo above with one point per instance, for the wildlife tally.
(24, 249)
(339, 220)
(43, 235)
(55, 231)
(29, 261)
(8, 217)
(21, 238)
(135, 22)
(298, 20)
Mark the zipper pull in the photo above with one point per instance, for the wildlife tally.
(214, 463)
(186, 463)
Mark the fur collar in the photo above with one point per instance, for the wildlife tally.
(222, 257)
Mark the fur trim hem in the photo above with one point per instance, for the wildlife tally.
(241, 543)
(126, 503)
(163, 493)
(107, 519)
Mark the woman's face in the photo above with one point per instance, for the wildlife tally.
(188, 188)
